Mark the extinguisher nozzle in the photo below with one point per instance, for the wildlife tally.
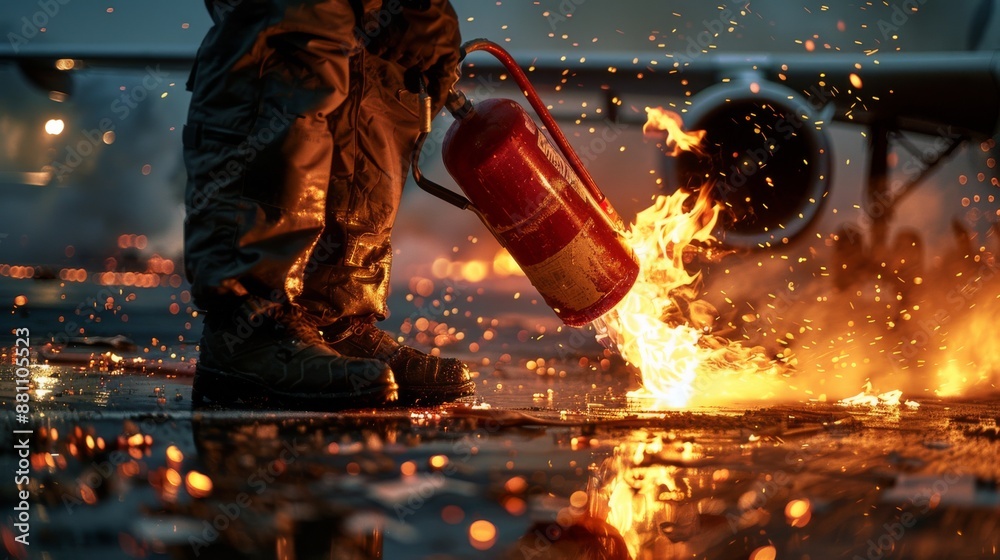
(426, 106)
(458, 104)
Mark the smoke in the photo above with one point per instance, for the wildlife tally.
(115, 168)
(920, 323)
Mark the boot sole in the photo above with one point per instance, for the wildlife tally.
(215, 387)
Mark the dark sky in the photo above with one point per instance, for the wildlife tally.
(650, 30)
(766, 25)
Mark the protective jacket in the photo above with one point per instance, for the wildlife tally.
(302, 118)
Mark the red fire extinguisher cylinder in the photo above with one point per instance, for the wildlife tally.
(538, 208)
(545, 209)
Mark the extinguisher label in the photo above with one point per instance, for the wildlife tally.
(570, 279)
(560, 164)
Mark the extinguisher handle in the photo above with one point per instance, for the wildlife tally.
(445, 194)
(449, 196)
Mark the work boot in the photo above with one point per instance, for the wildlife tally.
(265, 354)
(422, 379)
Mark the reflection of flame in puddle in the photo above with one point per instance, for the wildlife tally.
(645, 495)
(672, 496)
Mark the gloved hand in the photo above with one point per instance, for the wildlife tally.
(423, 37)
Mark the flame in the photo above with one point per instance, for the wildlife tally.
(660, 120)
(674, 354)
(973, 364)
(889, 399)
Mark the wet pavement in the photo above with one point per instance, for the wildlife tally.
(123, 467)
(551, 460)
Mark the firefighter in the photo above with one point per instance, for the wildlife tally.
(302, 118)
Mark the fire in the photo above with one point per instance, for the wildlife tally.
(972, 365)
(889, 399)
(660, 120)
(673, 354)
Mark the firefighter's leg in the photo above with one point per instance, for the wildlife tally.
(348, 279)
(258, 149)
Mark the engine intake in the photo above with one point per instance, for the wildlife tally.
(765, 157)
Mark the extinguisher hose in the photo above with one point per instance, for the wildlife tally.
(423, 182)
(529, 92)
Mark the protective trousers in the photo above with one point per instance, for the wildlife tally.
(297, 147)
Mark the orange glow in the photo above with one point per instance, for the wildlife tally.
(482, 534)
(73, 275)
(470, 271)
(172, 478)
(516, 485)
(505, 265)
(515, 505)
(136, 279)
(452, 515)
(764, 553)
(975, 363)
(798, 512)
(135, 440)
(198, 485)
(88, 495)
(129, 469)
(17, 271)
(660, 120)
(174, 455)
(474, 271)
(438, 461)
(408, 468)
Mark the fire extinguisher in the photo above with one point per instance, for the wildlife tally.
(546, 211)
